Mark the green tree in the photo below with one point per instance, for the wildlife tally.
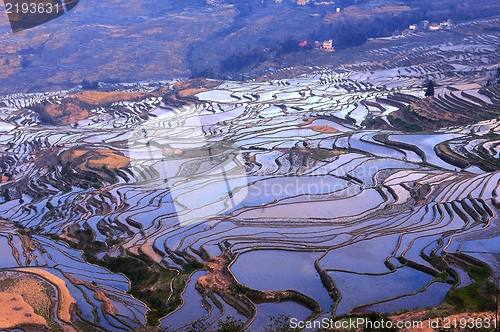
(230, 324)
(280, 324)
(430, 89)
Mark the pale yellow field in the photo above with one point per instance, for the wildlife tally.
(98, 97)
(15, 311)
(324, 129)
(108, 158)
(66, 300)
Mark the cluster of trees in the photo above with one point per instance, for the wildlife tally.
(437, 11)
(90, 85)
(238, 61)
(252, 58)
(495, 79)
(345, 33)
(43, 115)
(355, 32)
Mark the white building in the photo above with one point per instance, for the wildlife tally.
(434, 27)
(445, 24)
(328, 45)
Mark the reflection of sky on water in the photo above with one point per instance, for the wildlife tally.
(432, 296)
(357, 289)
(274, 309)
(192, 309)
(282, 270)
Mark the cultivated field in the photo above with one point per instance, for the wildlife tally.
(339, 191)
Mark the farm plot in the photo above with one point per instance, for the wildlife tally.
(289, 194)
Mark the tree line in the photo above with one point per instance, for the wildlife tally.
(344, 34)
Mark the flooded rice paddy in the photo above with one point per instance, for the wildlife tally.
(279, 185)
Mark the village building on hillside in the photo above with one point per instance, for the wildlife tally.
(326, 45)
(434, 27)
(425, 25)
(445, 24)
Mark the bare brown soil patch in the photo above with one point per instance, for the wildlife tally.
(196, 83)
(433, 113)
(16, 311)
(306, 121)
(324, 129)
(190, 92)
(10, 65)
(100, 295)
(67, 113)
(32, 291)
(78, 153)
(426, 109)
(183, 92)
(109, 159)
(99, 97)
(66, 300)
(218, 278)
(94, 158)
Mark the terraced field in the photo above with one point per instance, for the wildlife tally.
(339, 191)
